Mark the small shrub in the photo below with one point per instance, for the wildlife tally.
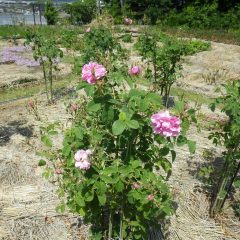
(127, 38)
(48, 54)
(228, 135)
(99, 45)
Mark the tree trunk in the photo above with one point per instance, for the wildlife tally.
(33, 9)
(40, 13)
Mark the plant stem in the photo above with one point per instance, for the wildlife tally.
(121, 223)
(110, 225)
(45, 78)
(51, 81)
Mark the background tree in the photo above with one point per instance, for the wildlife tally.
(51, 13)
(81, 12)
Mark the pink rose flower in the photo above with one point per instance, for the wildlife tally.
(135, 186)
(150, 197)
(58, 171)
(74, 107)
(165, 124)
(92, 72)
(82, 158)
(31, 104)
(135, 70)
(128, 21)
(88, 30)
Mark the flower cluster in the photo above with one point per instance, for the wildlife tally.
(128, 21)
(92, 72)
(135, 70)
(165, 124)
(10, 55)
(82, 158)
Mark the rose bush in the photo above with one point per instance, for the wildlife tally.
(120, 141)
(110, 157)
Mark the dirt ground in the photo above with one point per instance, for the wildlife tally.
(27, 201)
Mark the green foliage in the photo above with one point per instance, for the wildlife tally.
(101, 46)
(195, 46)
(228, 135)
(69, 39)
(127, 38)
(47, 52)
(81, 12)
(204, 16)
(164, 60)
(50, 13)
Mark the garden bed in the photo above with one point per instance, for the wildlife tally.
(28, 202)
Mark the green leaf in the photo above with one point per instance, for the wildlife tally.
(212, 106)
(132, 124)
(173, 153)
(100, 187)
(118, 127)
(154, 98)
(89, 196)
(181, 140)
(89, 89)
(107, 179)
(82, 212)
(135, 164)
(93, 107)
(122, 116)
(46, 140)
(80, 200)
(60, 207)
(191, 146)
(179, 106)
(135, 92)
(164, 151)
(66, 150)
(78, 133)
(167, 210)
(165, 164)
(119, 186)
(42, 163)
(237, 184)
(102, 199)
